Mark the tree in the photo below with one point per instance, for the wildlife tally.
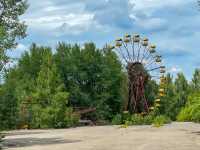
(168, 102)
(181, 91)
(196, 80)
(191, 112)
(8, 102)
(92, 76)
(49, 109)
(11, 28)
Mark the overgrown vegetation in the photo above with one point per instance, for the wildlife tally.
(43, 88)
(191, 112)
(1, 140)
(161, 120)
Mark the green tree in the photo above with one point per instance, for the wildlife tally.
(92, 76)
(49, 108)
(196, 80)
(168, 102)
(11, 28)
(8, 101)
(181, 89)
(179, 97)
(191, 112)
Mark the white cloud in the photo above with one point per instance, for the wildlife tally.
(150, 6)
(71, 23)
(175, 69)
(16, 53)
(151, 23)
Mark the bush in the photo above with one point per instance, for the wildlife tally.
(191, 112)
(135, 119)
(117, 119)
(161, 120)
(185, 114)
(1, 140)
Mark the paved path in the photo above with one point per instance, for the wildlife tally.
(176, 136)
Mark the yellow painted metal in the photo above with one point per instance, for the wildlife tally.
(151, 108)
(161, 90)
(127, 35)
(126, 40)
(136, 38)
(153, 46)
(157, 105)
(118, 44)
(157, 100)
(158, 60)
(161, 94)
(118, 40)
(145, 43)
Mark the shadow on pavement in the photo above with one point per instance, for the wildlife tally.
(21, 133)
(26, 142)
(197, 132)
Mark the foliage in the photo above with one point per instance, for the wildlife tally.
(117, 119)
(191, 112)
(43, 87)
(8, 103)
(135, 119)
(11, 28)
(41, 90)
(161, 120)
(93, 78)
(196, 80)
(176, 96)
(1, 140)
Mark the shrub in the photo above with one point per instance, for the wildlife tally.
(161, 120)
(185, 114)
(137, 119)
(191, 112)
(117, 119)
(1, 140)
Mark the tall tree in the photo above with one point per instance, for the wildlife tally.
(168, 102)
(49, 108)
(181, 91)
(181, 88)
(11, 28)
(196, 80)
(92, 76)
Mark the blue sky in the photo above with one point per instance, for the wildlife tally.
(173, 25)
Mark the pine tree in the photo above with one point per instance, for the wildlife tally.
(50, 101)
(196, 80)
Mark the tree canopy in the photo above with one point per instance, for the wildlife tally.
(11, 28)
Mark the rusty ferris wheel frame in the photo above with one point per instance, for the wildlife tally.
(142, 64)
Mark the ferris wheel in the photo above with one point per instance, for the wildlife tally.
(143, 64)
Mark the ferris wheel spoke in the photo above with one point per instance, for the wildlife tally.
(144, 54)
(155, 77)
(133, 49)
(125, 46)
(139, 47)
(150, 57)
(149, 63)
(121, 53)
(154, 69)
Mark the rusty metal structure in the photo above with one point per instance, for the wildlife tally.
(142, 63)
